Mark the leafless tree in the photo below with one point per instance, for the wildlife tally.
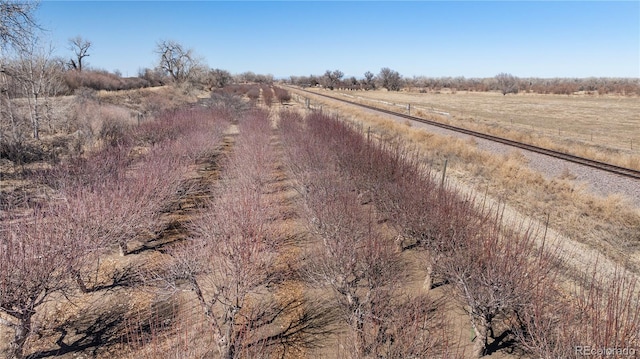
(390, 79)
(369, 83)
(16, 22)
(359, 265)
(230, 257)
(331, 79)
(267, 94)
(507, 83)
(496, 272)
(38, 76)
(602, 310)
(36, 254)
(17, 25)
(176, 61)
(80, 48)
(218, 78)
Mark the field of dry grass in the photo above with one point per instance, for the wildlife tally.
(605, 128)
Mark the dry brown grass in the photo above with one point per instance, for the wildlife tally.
(609, 224)
(149, 100)
(604, 128)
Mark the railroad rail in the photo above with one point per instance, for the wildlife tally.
(603, 166)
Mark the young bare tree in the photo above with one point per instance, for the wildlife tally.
(36, 254)
(496, 272)
(359, 265)
(225, 265)
(282, 95)
(17, 25)
(38, 77)
(80, 48)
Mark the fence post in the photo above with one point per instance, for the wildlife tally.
(444, 172)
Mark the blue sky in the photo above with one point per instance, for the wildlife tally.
(449, 38)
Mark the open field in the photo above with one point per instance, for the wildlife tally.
(600, 127)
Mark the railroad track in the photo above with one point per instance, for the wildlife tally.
(603, 166)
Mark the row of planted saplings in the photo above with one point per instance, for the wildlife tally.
(354, 260)
(505, 278)
(257, 91)
(227, 266)
(114, 197)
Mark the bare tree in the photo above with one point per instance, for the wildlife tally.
(38, 76)
(17, 26)
(80, 48)
(218, 78)
(230, 257)
(176, 61)
(16, 22)
(603, 310)
(507, 83)
(331, 79)
(496, 272)
(390, 79)
(369, 83)
(36, 254)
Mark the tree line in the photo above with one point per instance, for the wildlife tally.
(505, 83)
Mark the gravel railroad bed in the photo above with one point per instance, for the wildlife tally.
(600, 182)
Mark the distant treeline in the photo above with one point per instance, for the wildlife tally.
(505, 83)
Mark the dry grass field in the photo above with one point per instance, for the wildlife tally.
(601, 127)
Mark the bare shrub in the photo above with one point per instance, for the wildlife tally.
(175, 334)
(253, 93)
(282, 95)
(267, 95)
(114, 132)
(601, 313)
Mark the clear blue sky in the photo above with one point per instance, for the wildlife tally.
(449, 38)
